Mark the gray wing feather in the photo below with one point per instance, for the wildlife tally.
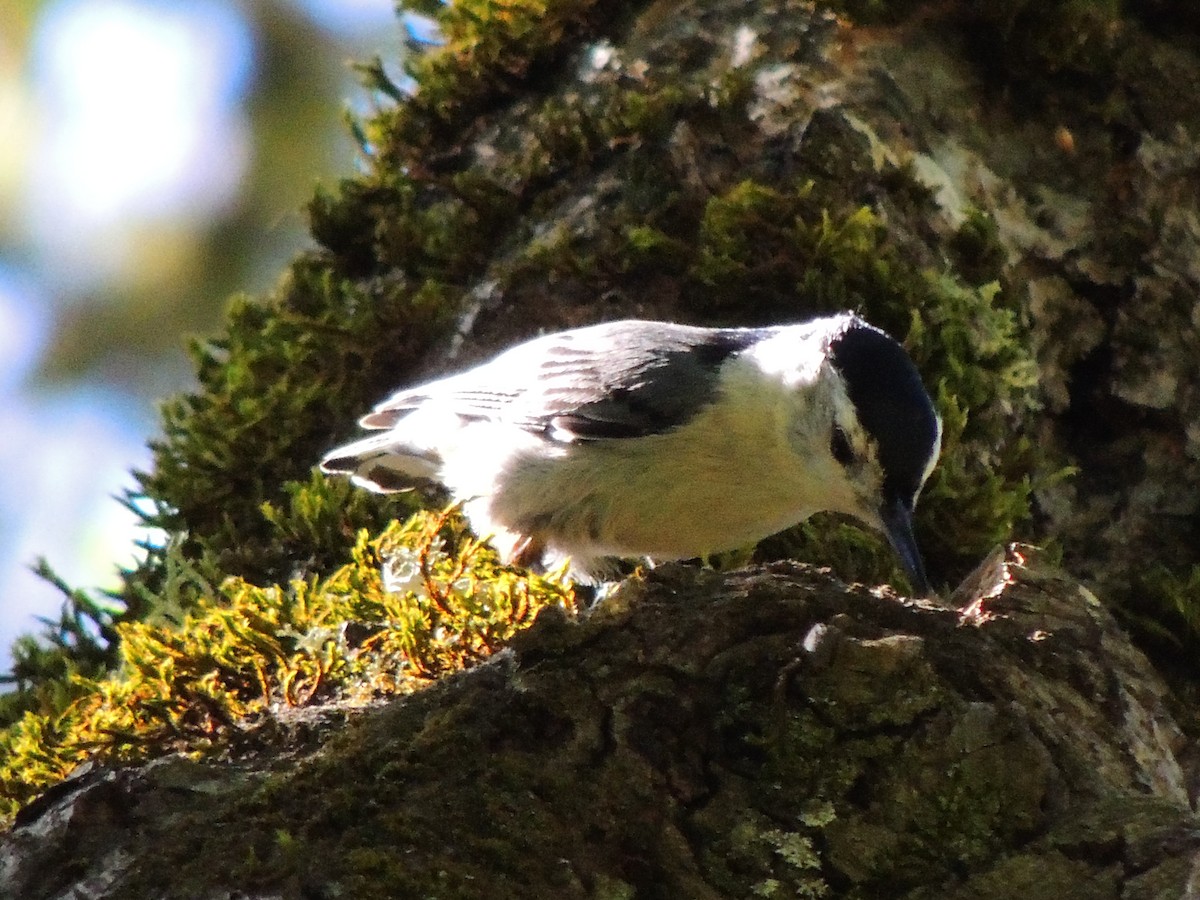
(618, 380)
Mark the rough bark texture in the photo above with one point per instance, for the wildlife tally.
(763, 733)
(768, 732)
(1096, 195)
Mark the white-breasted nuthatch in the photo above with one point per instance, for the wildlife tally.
(650, 439)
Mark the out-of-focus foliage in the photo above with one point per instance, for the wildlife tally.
(185, 271)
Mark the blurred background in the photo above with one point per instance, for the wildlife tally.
(155, 157)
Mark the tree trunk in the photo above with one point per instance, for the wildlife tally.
(766, 733)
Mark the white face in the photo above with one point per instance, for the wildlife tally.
(853, 456)
(859, 467)
(835, 450)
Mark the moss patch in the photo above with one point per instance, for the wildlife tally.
(419, 601)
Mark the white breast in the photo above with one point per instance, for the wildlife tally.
(741, 470)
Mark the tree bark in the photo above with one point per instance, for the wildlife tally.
(768, 732)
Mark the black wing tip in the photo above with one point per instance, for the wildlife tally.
(379, 479)
(332, 464)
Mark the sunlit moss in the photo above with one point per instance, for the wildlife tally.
(420, 600)
(488, 51)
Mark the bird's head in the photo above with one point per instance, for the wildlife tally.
(867, 426)
(884, 434)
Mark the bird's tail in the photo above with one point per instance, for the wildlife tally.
(383, 463)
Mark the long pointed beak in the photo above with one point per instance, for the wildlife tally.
(898, 524)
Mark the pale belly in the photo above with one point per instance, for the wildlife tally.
(657, 499)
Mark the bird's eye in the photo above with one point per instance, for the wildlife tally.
(839, 446)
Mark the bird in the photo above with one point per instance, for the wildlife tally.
(660, 441)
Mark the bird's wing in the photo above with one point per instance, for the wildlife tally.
(617, 380)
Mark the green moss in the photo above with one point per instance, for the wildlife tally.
(1164, 612)
(281, 380)
(490, 50)
(76, 645)
(976, 249)
(651, 249)
(417, 602)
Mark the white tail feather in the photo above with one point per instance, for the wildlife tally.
(383, 464)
